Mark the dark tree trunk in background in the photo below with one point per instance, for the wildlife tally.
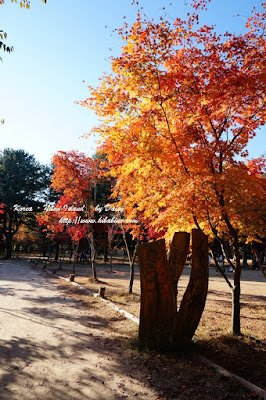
(56, 251)
(236, 291)
(93, 255)
(75, 257)
(8, 245)
(132, 270)
(11, 222)
(131, 259)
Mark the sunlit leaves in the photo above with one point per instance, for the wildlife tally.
(74, 174)
(181, 104)
(74, 177)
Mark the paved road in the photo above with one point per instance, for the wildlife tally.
(50, 348)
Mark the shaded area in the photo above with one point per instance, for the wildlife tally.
(87, 353)
(174, 376)
(245, 356)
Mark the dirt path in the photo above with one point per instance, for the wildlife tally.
(217, 312)
(52, 349)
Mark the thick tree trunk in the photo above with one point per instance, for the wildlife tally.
(157, 301)
(177, 256)
(193, 302)
(161, 327)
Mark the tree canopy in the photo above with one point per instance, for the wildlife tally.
(23, 180)
(177, 113)
(23, 187)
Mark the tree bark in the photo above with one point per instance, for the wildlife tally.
(131, 278)
(161, 326)
(93, 255)
(236, 291)
(236, 310)
(157, 301)
(132, 270)
(193, 302)
(177, 256)
(75, 257)
(131, 259)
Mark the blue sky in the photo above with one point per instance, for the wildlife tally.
(62, 47)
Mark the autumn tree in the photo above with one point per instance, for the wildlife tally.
(59, 223)
(26, 237)
(75, 176)
(177, 112)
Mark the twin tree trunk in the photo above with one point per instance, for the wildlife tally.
(162, 327)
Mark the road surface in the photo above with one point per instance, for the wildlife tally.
(52, 348)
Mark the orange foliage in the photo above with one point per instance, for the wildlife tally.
(181, 104)
(74, 176)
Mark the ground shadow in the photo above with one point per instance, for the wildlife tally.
(244, 356)
(171, 376)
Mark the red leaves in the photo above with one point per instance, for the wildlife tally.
(74, 174)
(181, 104)
(257, 166)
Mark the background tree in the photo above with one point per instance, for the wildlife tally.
(27, 237)
(177, 114)
(59, 224)
(23, 182)
(76, 176)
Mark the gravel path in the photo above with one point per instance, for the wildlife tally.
(50, 348)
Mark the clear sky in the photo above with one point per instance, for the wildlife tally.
(62, 47)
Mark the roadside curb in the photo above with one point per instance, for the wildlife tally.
(250, 386)
(107, 302)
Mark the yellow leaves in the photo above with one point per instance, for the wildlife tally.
(166, 111)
